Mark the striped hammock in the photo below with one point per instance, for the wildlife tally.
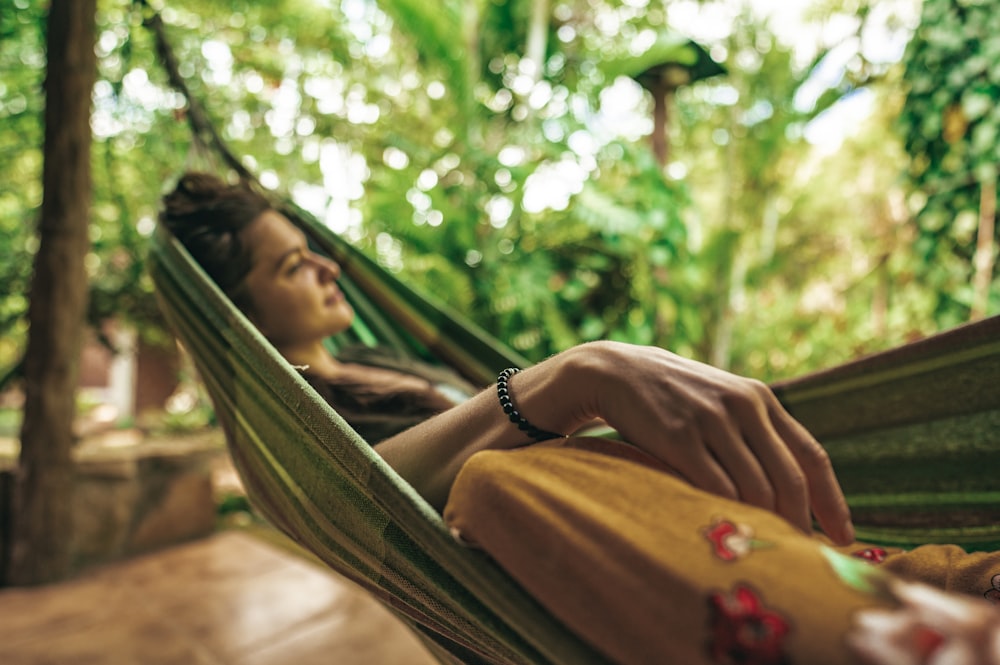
(914, 434)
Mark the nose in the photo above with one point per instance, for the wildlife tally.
(325, 268)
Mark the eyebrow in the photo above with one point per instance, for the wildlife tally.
(285, 256)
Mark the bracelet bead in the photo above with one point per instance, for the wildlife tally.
(507, 404)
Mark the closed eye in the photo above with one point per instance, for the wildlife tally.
(294, 260)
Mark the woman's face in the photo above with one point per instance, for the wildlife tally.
(294, 293)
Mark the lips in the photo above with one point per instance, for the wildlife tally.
(334, 297)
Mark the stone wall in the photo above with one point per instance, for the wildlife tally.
(134, 494)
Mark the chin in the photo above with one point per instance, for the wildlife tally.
(341, 325)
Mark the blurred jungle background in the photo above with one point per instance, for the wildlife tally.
(822, 195)
(770, 186)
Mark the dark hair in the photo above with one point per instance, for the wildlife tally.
(208, 216)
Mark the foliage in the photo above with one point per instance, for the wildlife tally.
(472, 148)
(10, 422)
(789, 275)
(951, 124)
(22, 60)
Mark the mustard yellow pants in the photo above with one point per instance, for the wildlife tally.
(650, 570)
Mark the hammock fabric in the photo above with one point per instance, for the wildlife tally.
(914, 434)
(309, 474)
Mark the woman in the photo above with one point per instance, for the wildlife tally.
(635, 547)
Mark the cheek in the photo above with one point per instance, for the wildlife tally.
(273, 308)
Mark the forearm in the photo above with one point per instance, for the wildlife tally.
(723, 433)
(430, 454)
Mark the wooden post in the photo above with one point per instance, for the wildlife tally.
(42, 506)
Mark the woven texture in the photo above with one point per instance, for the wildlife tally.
(915, 435)
(308, 473)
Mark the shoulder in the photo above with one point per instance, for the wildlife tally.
(388, 358)
(380, 356)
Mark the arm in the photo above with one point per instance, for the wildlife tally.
(430, 454)
(723, 433)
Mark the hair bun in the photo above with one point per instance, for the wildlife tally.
(208, 216)
(194, 190)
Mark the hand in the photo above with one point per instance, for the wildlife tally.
(723, 433)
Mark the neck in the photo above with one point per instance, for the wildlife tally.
(314, 357)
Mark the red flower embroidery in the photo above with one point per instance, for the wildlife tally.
(730, 541)
(993, 595)
(873, 554)
(743, 631)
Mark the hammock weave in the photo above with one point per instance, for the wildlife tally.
(310, 475)
(914, 434)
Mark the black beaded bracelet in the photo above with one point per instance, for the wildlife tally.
(507, 404)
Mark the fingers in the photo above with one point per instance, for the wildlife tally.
(699, 467)
(732, 450)
(827, 499)
(797, 468)
(725, 434)
(786, 479)
(728, 446)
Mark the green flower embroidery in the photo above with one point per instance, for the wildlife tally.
(859, 574)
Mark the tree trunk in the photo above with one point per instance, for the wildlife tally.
(538, 33)
(660, 137)
(43, 518)
(984, 260)
(471, 25)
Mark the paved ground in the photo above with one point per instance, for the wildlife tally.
(230, 599)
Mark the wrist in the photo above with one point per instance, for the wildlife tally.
(516, 417)
(562, 392)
